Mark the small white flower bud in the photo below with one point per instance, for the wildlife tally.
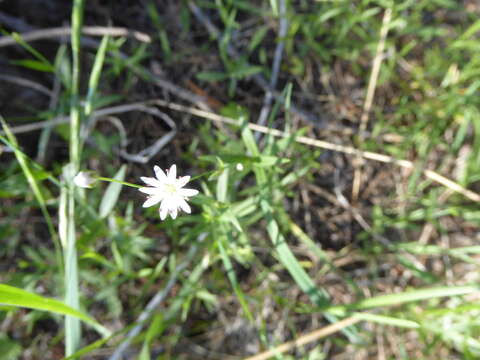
(239, 166)
(84, 179)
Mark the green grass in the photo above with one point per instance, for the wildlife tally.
(273, 249)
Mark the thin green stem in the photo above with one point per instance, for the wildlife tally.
(75, 146)
(119, 182)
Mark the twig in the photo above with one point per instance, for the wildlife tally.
(13, 22)
(372, 83)
(198, 100)
(307, 338)
(146, 154)
(26, 83)
(66, 31)
(136, 106)
(277, 59)
(154, 302)
(38, 125)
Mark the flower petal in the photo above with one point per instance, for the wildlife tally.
(188, 192)
(171, 202)
(150, 190)
(184, 206)
(160, 174)
(173, 213)
(152, 200)
(163, 212)
(172, 173)
(183, 181)
(151, 181)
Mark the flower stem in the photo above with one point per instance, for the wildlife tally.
(101, 178)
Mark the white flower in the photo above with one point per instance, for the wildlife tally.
(84, 179)
(167, 190)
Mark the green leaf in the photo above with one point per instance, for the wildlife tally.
(9, 349)
(112, 193)
(89, 348)
(41, 59)
(387, 320)
(95, 75)
(230, 271)
(156, 327)
(222, 186)
(212, 76)
(472, 30)
(404, 297)
(13, 296)
(257, 38)
(35, 65)
(246, 70)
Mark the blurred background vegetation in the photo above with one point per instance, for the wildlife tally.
(285, 238)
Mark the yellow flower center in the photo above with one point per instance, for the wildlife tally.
(172, 189)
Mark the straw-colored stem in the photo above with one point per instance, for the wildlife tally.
(367, 106)
(305, 339)
(349, 150)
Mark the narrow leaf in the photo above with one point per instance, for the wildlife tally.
(404, 297)
(95, 75)
(13, 296)
(387, 320)
(112, 193)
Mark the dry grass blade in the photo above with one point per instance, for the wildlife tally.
(432, 175)
(307, 338)
(372, 84)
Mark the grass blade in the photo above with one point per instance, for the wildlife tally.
(95, 75)
(13, 296)
(405, 297)
(227, 264)
(222, 235)
(387, 320)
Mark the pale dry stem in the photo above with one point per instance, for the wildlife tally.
(372, 84)
(349, 150)
(307, 338)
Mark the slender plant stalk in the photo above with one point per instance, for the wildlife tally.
(72, 325)
(101, 178)
(75, 147)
